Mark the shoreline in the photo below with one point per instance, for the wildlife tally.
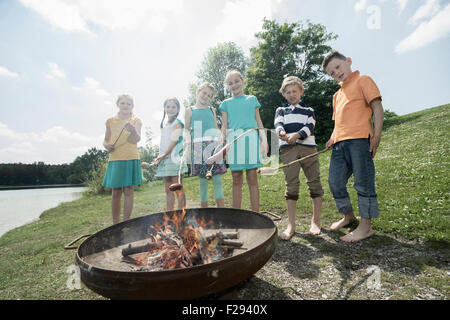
(43, 186)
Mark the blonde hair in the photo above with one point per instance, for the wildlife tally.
(232, 72)
(206, 85)
(291, 80)
(124, 96)
(164, 105)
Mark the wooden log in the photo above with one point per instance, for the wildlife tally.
(222, 235)
(231, 243)
(139, 249)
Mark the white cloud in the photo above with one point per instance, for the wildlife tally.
(92, 86)
(427, 32)
(425, 11)
(4, 72)
(55, 71)
(401, 5)
(75, 16)
(61, 14)
(238, 25)
(53, 146)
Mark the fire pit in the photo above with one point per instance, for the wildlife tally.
(107, 259)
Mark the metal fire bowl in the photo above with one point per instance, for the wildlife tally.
(101, 269)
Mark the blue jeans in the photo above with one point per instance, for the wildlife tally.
(353, 157)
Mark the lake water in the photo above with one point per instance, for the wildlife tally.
(19, 207)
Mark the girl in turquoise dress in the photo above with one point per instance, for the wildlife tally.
(202, 131)
(240, 113)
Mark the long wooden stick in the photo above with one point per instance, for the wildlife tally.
(216, 156)
(269, 170)
(304, 158)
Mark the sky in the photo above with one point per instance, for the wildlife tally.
(64, 62)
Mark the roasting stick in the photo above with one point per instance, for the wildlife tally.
(222, 152)
(270, 170)
(178, 186)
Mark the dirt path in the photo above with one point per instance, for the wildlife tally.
(323, 267)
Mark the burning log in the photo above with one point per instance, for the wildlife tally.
(222, 235)
(176, 244)
(139, 249)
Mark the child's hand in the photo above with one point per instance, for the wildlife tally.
(329, 143)
(282, 135)
(264, 148)
(130, 128)
(374, 143)
(293, 138)
(145, 165)
(158, 160)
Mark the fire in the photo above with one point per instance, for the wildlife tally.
(179, 243)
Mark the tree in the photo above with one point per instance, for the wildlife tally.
(148, 153)
(291, 49)
(217, 62)
(388, 114)
(83, 164)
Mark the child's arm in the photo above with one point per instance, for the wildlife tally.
(378, 117)
(262, 133)
(106, 143)
(224, 126)
(330, 141)
(174, 140)
(278, 123)
(187, 126)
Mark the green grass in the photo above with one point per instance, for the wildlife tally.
(412, 181)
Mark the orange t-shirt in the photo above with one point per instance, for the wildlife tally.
(351, 107)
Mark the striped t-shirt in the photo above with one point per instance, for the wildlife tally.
(296, 119)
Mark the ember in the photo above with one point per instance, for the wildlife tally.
(178, 244)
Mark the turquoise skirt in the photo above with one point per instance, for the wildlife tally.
(169, 168)
(245, 153)
(123, 173)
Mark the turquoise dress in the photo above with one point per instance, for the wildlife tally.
(205, 142)
(245, 153)
(170, 165)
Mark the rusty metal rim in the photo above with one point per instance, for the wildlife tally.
(90, 267)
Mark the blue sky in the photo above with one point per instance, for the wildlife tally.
(64, 62)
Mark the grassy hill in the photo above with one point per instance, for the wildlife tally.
(410, 245)
(412, 180)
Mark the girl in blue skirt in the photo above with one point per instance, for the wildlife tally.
(123, 132)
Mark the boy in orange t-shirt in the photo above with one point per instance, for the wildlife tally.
(355, 141)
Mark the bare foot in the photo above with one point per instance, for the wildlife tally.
(357, 235)
(343, 222)
(287, 234)
(314, 229)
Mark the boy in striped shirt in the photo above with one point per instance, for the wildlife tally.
(294, 125)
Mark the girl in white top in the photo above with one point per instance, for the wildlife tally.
(171, 152)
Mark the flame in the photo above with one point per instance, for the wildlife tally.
(181, 243)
